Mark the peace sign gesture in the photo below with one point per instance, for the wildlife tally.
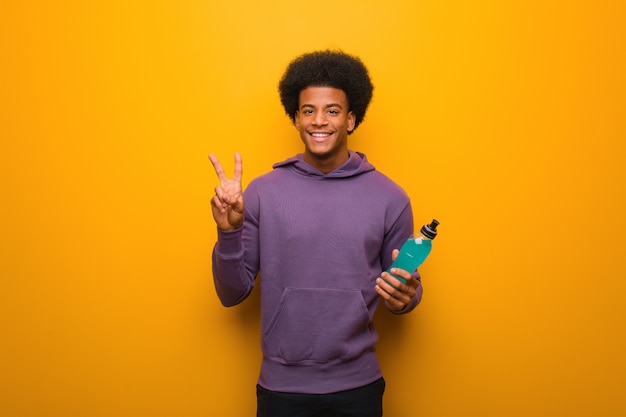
(227, 204)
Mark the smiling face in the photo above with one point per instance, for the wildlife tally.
(324, 121)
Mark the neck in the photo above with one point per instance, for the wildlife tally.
(328, 164)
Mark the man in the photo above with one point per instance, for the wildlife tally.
(321, 228)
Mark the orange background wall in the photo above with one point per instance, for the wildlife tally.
(506, 120)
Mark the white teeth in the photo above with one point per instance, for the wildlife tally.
(319, 135)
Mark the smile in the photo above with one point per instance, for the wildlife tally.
(320, 135)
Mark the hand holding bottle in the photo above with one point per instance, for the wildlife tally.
(397, 295)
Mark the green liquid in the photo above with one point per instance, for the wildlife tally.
(412, 254)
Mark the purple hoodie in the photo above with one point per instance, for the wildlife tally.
(319, 242)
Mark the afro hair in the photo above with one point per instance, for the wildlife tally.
(327, 69)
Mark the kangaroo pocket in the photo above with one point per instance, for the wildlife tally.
(318, 325)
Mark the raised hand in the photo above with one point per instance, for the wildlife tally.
(227, 204)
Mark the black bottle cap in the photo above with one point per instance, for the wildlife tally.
(430, 230)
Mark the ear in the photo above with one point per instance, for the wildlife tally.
(351, 121)
(295, 120)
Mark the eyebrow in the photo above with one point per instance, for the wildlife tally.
(326, 106)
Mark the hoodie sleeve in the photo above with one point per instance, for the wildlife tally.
(235, 263)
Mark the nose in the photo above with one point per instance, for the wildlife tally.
(319, 119)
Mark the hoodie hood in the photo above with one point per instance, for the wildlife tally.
(355, 165)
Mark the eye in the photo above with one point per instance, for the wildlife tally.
(307, 111)
(332, 111)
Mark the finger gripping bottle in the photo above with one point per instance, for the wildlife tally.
(415, 250)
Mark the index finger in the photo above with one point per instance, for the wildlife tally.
(218, 168)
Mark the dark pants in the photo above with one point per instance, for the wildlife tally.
(365, 401)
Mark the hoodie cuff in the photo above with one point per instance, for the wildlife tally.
(229, 242)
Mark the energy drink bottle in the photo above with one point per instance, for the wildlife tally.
(415, 250)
